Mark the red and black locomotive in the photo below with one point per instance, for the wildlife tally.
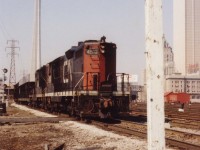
(82, 82)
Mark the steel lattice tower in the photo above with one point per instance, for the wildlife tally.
(12, 47)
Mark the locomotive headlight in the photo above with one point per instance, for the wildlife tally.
(102, 46)
(102, 51)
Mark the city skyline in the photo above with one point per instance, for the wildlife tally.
(122, 24)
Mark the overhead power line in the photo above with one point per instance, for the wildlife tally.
(4, 30)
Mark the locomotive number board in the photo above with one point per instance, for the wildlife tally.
(92, 51)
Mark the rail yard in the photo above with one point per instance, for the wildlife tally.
(187, 119)
(25, 127)
(82, 85)
(83, 95)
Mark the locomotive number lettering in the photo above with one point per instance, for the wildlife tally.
(92, 51)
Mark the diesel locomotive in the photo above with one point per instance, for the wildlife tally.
(82, 82)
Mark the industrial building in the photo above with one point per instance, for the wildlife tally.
(178, 83)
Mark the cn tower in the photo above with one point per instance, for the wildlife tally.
(36, 51)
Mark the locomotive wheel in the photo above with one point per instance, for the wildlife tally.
(89, 106)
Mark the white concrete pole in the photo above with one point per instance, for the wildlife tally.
(155, 74)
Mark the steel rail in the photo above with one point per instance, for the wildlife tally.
(143, 134)
(184, 125)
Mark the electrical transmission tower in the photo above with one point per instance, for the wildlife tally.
(12, 47)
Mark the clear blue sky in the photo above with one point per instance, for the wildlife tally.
(65, 22)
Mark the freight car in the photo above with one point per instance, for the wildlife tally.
(82, 82)
(22, 91)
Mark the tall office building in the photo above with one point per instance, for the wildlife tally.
(186, 26)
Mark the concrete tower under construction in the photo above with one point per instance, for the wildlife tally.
(36, 51)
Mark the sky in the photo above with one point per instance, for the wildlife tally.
(66, 22)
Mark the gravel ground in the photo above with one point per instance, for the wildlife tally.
(74, 135)
(32, 111)
(13, 111)
(90, 137)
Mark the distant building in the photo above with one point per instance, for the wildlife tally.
(186, 36)
(131, 84)
(136, 91)
(168, 59)
(178, 83)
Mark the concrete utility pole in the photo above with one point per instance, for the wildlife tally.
(13, 47)
(36, 52)
(155, 74)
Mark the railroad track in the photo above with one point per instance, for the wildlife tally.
(186, 117)
(169, 132)
(139, 130)
(135, 129)
(182, 123)
(174, 122)
(191, 117)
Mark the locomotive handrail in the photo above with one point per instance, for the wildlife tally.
(80, 80)
(78, 83)
(109, 75)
